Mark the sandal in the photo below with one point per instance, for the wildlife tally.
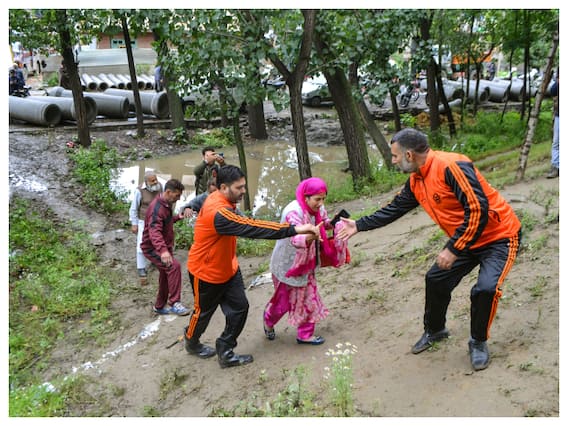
(315, 340)
(268, 332)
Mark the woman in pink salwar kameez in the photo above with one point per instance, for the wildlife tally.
(294, 262)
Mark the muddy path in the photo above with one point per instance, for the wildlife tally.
(375, 303)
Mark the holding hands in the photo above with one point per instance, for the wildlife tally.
(348, 230)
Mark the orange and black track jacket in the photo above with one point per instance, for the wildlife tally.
(213, 255)
(457, 197)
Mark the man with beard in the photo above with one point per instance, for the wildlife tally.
(214, 270)
(143, 196)
(481, 226)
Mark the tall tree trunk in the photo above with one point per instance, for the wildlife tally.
(242, 159)
(447, 108)
(294, 81)
(376, 134)
(133, 79)
(533, 120)
(257, 124)
(83, 132)
(395, 110)
(174, 101)
(368, 121)
(299, 128)
(350, 121)
(425, 25)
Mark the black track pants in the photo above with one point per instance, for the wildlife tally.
(495, 261)
(234, 304)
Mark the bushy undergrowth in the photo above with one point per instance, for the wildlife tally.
(95, 168)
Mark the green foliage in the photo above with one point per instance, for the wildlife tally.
(54, 277)
(245, 246)
(293, 401)
(96, 167)
(217, 138)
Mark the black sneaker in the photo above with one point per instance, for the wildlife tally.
(478, 354)
(428, 339)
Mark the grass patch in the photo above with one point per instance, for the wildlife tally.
(95, 168)
(54, 278)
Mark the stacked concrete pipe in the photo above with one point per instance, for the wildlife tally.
(67, 107)
(152, 103)
(89, 82)
(108, 105)
(31, 111)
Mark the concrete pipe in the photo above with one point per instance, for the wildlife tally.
(101, 85)
(451, 90)
(89, 82)
(67, 107)
(498, 92)
(107, 105)
(30, 111)
(126, 80)
(107, 80)
(152, 103)
(117, 82)
(149, 81)
(453, 104)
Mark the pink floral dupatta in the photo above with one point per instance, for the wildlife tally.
(305, 264)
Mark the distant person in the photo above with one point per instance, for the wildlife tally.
(207, 169)
(491, 69)
(481, 227)
(214, 270)
(158, 247)
(15, 84)
(293, 265)
(555, 151)
(158, 79)
(142, 198)
(194, 205)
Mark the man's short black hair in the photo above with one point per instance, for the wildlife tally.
(411, 139)
(174, 185)
(207, 148)
(229, 174)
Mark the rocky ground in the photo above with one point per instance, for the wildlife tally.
(376, 303)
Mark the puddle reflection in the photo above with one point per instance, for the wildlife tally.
(271, 165)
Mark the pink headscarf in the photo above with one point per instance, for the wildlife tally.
(307, 188)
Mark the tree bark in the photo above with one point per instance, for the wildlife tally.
(174, 101)
(242, 160)
(133, 79)
(425, 25)
(376, 134)
(350, 121)
(294, 80)
(257, 125)
(73, 73)
(533, 119)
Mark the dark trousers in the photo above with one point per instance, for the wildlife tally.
(234, 304)
(495, 261)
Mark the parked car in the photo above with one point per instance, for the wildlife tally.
(315, 92)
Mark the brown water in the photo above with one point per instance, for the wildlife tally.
(271, 165)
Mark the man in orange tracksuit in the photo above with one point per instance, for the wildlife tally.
(214, 270)
(482, 230)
